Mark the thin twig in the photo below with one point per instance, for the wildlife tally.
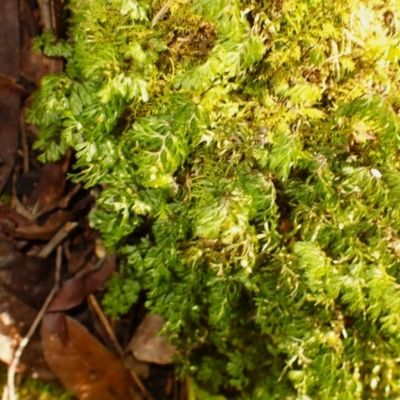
(353, 38)
(9, 391)
(63, 203)
(164, 9)
(18, 206)
(45, 14)
(57, 239)
(104, 320)
(96, 307)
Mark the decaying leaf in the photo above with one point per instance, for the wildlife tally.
(55, 221)
(75, 290)
(10, 218)
(16, 317)
(9, 86)
(46, 231)
(9, 123)
(140, 368)
(29, 278)
(9, 105)
(146, 346)
(50, 188)
(85, 367)
(34, 65)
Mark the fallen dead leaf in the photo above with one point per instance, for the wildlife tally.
(50, 188)
(9, 133)
(29, 278)
(34, 65)
(9, 86)
(55, 221)
(146, 346)
(9, 105)
(78, 261)
(84, 366)
(140, 368)
(9, 220)
(9, 38)
(46, 231)
(15, 319)
(16, 316)
(75, 290)
(7, 213)
(29, 18)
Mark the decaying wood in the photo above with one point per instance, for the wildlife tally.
(9, 105)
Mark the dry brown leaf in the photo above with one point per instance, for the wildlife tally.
(9, 38)
(147, 346)
(7, 213)
(35, 65)
(50, 188)
(15, 319)
(9, 133)
(140, 368)
(48, 230)
(9, 105)
(9, 86)
(85, 367)
(74, 290)
(29, 278)
(55, 221)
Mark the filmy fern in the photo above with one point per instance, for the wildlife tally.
(249, 155)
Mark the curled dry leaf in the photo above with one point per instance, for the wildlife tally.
(85, 367)
(75, 290)
(147, 346)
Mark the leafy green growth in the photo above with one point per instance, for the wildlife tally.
(249, 155)
(32, 389)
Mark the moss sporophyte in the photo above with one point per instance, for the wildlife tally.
(249, 155)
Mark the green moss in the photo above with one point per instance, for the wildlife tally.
(249, 158)
(32, 389)
(5, 199)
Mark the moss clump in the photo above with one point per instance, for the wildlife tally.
(32, 389)
(249, 158)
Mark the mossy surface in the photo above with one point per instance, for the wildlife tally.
(32, 389)
(249, 155)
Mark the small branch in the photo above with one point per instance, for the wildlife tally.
(96, 307)
(9, 390)
(104, 320)
(45, 14)
(57, 239)
(163, 10)
(18, 206)
(353, 38)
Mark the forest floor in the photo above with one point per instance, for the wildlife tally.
(53, 266)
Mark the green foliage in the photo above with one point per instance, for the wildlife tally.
(33, 389)
(249, 155)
